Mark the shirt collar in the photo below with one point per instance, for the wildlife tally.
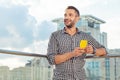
(64, 31)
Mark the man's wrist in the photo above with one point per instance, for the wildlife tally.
(94, 51)
(72, 54)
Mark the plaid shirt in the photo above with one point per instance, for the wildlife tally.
(60, 43)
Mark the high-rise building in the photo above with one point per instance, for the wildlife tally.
(41, 69)
(21, 73)
(115, 64)
(4, 73)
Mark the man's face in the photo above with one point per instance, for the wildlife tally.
(70, 18)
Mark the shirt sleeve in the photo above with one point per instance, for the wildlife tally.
(95, 43)
(92, 41)
(52, 49)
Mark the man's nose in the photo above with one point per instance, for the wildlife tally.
(66, 17)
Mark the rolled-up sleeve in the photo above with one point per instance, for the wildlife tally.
(95, 43)
(52, 49)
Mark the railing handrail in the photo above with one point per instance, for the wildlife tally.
(3, 51)
(21, 53)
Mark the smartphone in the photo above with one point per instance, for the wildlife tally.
(83, 44)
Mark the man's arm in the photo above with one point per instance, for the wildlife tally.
(56, 58)
(66, 56)
(96, 47)
(100, 52)
(63, 57)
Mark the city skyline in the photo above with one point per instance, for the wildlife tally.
(23, 23)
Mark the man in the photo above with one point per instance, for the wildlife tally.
(64, 51)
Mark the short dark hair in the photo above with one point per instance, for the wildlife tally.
(72, 7)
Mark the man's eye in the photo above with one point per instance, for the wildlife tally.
(65, 15)
(70, 15)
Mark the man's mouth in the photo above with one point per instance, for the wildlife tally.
(66, 21)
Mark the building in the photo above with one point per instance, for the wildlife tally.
(41, 69)
(36, 69)
(4, 73)
(21, 73)
(114, 64)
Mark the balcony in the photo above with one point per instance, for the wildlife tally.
(16, 65)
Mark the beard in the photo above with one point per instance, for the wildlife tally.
(69, 25)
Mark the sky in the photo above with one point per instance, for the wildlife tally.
(25, 25)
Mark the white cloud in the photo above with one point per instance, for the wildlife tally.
(16, 27)
(55, 8)
(112, 29)
(50, 9)
(18, 2)
(13, 62)
(13, 31)
(41, 46)
(38, 47)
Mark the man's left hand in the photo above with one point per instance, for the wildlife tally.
(89, 49)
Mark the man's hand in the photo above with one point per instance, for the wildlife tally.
(89, 49)
(64, 57)
(78, 52)
(99, 52)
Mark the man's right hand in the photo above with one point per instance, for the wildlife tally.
(60, 58)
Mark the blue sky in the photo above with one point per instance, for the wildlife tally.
(15, 24)
(18, 13)
(25, 24)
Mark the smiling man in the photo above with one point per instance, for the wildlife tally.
(64, 51)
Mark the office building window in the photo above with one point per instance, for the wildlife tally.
(91, 24)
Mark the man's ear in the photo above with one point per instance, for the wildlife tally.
(78, 18)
